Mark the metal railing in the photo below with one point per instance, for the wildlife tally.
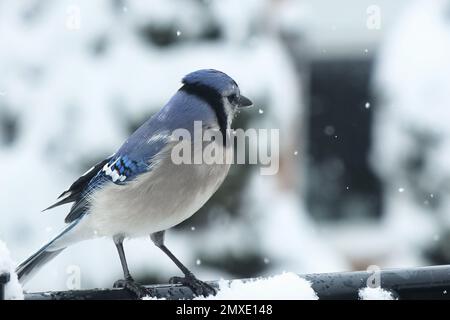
(412, 283)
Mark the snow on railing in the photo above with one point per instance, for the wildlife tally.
(414, 283)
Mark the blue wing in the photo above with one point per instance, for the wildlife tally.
(135, 157)
(122, 169)
(119, 169)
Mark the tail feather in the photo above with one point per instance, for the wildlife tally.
(27, 268)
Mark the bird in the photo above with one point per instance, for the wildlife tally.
(140, 191)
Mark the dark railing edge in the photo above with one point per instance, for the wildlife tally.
(4, 279)
(431, 282)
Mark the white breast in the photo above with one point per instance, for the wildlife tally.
(157, 200)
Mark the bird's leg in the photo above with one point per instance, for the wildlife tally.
(197, 286)
(127, 282)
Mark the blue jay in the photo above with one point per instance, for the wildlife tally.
(139, 190)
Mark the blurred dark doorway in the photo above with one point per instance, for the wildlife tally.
(341, 184)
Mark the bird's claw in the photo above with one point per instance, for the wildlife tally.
(132, 286)
(197, 286)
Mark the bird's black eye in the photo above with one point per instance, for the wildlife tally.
(233, 99)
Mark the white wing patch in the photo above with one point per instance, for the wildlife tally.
(161, 136)
(114, 174)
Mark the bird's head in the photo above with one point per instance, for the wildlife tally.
(218, 89)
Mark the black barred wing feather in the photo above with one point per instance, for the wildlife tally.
(118, 169)
(136, 156)
(122, 169)
(77, 188)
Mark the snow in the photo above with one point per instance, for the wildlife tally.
(286, 286)
(377, 293)
(411, 145)
(150, 298)
(412, 94)
(13, 289)
(73, 108)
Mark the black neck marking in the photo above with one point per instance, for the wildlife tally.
(214, 100)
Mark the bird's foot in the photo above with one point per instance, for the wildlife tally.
(197, 286)
(129, 284)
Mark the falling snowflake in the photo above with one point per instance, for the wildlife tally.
(178, 33)
(295, 152)
(329, 130)
(192, 228)
(198, 262)
(266, 260)
(367, 105)
(401, 189)
(73, 18)
(261, 111)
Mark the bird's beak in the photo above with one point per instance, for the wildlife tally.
(244, 102)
